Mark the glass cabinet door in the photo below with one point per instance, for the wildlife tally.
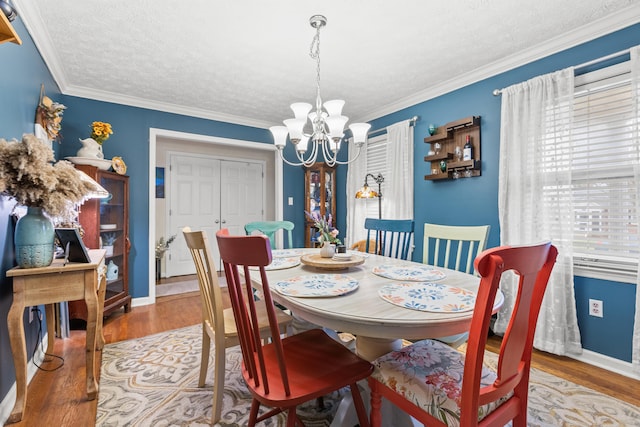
(320, 190)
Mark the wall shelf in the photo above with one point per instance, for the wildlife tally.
(450, 136)
(7, 33)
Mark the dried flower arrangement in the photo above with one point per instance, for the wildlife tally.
(100, 131)
(162, 246)
(49, 116)
(328, 233)
(28, 175)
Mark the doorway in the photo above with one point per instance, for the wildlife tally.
(208, 193)
(161, 141)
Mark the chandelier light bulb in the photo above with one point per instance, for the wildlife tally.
(279, 136)
(301, 110)
(334, 107)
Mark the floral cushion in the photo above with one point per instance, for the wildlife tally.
(429, 374)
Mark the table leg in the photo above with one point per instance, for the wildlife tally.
(19, 351)
(49, 310)
(91, 298)
(102, 289)
(370, 348)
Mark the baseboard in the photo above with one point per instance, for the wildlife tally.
(609, 363)
(6, 406)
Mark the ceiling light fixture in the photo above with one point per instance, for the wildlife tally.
(327, 127)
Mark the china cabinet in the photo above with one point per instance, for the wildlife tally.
(106, 223)
(319, 197)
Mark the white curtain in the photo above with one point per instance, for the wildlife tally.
(397, 189)
(356, 212)
(536, 123)
(635, 82)
(397, 200)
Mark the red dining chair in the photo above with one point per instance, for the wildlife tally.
(217, 322)
(439, 386)
(285, 372)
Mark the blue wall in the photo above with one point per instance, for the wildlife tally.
(475, 201)
(466, 201)
(21, 73)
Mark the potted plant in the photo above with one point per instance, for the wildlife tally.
(108, 239)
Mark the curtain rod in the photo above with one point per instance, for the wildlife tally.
(412, 122)
(497, 92)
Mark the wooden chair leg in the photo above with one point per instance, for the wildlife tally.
(204, 357)
(218, 382)
(375, 415)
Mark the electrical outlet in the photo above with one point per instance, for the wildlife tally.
(290, 201)
(595, 308)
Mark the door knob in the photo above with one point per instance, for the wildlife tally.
(217, 221)
(224, 221)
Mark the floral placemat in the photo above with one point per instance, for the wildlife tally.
(415, 273)
(280, 263)
(435, 297)
(317, 285)
(279, 253)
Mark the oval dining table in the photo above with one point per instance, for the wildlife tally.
(378, 325)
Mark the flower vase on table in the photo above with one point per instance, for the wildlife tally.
(33, 239)
(327, 250)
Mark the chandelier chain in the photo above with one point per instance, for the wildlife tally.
(314, 53)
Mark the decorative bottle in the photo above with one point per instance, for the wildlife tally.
(467, 151)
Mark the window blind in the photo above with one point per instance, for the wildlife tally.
(376, 163)
(601, 153)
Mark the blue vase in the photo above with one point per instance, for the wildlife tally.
(33, 239)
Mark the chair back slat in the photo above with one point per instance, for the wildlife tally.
(270, 228)
(211, 296)
(392, 237)
(533, 265)
(467, 242)
(239, 253)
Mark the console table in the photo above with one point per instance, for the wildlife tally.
(49, 285)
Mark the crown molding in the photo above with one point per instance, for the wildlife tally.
(614, 22)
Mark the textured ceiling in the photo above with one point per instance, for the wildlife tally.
(245, 61)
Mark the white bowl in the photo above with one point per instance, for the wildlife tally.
(102, 164)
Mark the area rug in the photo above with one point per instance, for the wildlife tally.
(152, 381)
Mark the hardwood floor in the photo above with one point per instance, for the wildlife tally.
(58, 398)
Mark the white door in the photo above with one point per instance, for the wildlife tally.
(198, 186)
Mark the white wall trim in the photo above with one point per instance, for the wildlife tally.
(606, 362)
(154, 134)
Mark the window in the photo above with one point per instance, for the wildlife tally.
(376, 163)
(601, 154)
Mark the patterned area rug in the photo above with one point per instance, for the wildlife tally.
(152, 381)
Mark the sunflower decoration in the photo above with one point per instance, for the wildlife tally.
(101, 131)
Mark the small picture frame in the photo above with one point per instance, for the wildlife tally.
(72, 244)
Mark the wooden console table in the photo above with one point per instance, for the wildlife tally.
(50, 285)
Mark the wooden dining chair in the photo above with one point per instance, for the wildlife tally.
(270, 228)
(287, 371)
(454, 247)
(439, 386)
(391, 237)
(218, 323)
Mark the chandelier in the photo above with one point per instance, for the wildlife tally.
(327, 126)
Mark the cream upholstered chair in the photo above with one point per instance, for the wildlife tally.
(218, 323)
(454, 247)
(439, 386)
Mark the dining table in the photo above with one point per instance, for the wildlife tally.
(376, 304)
(382, 301)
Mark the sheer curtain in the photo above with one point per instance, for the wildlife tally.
(356, 212)
(398, 196)
(635, 82)
(397, 189)
(536, 122)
